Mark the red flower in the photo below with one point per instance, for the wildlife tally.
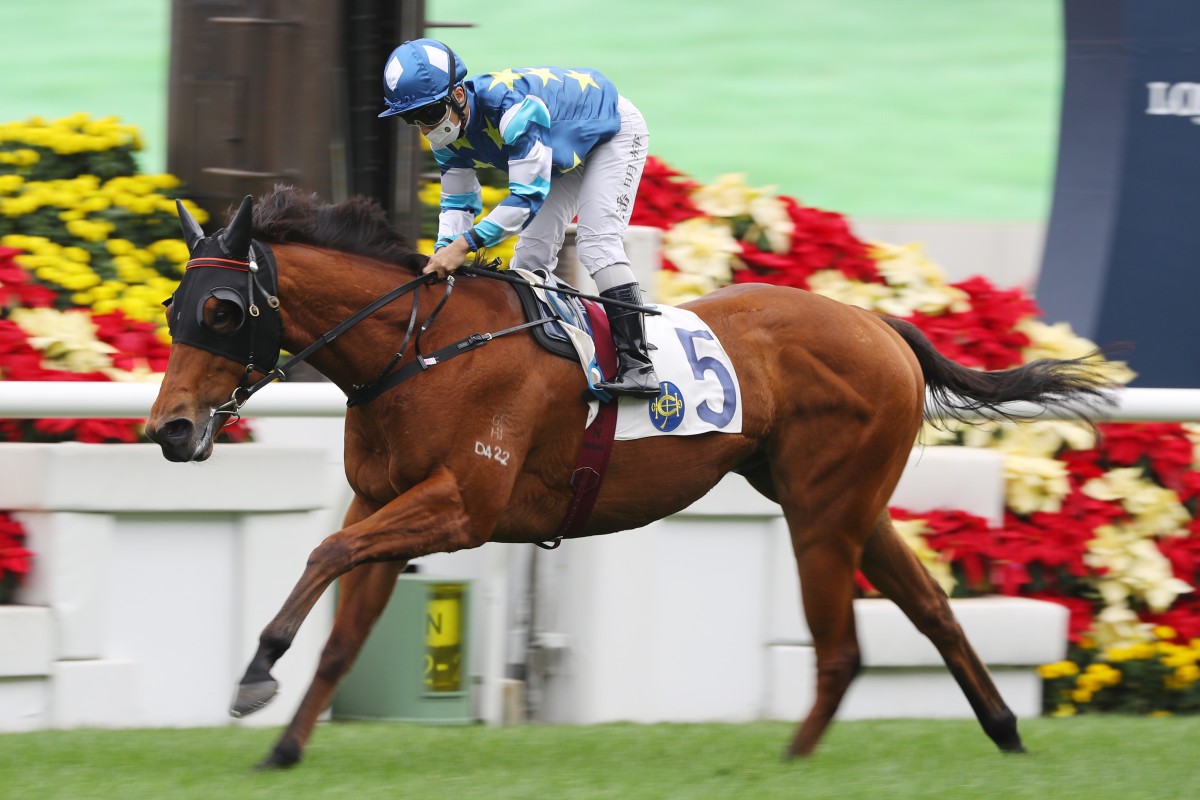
(1081, 612)
(14, 558)
(983, 336)
(137, 343)
(17, 288)
(1183, 616)
(1162, 446)
(821, 240)
(663, 197)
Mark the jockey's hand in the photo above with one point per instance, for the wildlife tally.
(449, 258)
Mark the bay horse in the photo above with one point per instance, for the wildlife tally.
(833, 398)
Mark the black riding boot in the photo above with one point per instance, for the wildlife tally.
(635, 374)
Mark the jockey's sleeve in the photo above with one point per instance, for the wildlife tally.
(461, 201)
(525, 129)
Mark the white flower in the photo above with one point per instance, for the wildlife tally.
(913, 284)
(1155, 510)
(1044, 438)
(67, 339)
(1117, 626)
(676, 288)
(702, 247)
(835, 285)
(1035, 483)
(727, 196)
(1059, 341)
(1133, 568)
(772, 219)
(918, 284)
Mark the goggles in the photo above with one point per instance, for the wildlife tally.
(427, 115)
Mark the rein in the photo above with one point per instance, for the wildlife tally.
(389, 376)
(233, 405)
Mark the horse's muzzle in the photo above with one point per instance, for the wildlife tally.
(180, 440)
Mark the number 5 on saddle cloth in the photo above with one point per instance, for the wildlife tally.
(699, 390)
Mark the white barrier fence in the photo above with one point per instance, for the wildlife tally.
(49, 399)
(582, 657)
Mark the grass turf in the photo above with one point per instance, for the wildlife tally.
(1090, 757)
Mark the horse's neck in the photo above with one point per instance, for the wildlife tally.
(319, 289)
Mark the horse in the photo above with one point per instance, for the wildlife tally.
(833, 400)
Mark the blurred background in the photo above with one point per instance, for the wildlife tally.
(941, 116)
(878, 109)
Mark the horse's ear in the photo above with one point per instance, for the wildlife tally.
(235, 239)
(192, 232)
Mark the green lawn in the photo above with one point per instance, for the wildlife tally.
(1090, 758)
(875, 108)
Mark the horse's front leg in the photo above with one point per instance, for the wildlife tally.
(364, 593)
(428, 518)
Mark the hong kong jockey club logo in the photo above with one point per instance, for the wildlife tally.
(666, 410)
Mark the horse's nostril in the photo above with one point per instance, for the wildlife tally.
(177, 431)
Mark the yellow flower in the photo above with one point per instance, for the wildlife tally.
(1164, 632)
(1059, 669)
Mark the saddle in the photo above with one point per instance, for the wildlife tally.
(551, 335)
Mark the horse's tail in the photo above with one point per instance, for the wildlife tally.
(1079, 386)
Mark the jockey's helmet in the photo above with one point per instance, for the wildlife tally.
(419, 74)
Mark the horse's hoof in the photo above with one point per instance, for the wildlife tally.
(253, 696)
(280, 758)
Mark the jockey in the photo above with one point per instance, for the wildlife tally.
(571, 146)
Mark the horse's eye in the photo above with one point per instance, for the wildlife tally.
(222, 316)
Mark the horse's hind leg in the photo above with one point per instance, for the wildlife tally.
(363, 594)
(826, 567)
(895, 570)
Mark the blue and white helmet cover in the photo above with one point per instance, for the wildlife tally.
(417, 73)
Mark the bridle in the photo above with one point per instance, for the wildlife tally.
(231, 408)
(262, 263)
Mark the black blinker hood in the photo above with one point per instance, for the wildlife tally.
(248, 279)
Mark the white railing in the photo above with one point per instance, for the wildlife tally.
(50, 399)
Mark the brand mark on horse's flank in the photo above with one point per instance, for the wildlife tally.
(494, 453)
(666, 410)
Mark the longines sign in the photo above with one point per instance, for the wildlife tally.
(1174, 99)
(1120, 261)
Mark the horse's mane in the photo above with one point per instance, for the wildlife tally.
(356, 225)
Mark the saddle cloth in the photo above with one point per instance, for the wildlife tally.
(699, 393)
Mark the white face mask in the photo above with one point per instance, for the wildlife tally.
(445, 132)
